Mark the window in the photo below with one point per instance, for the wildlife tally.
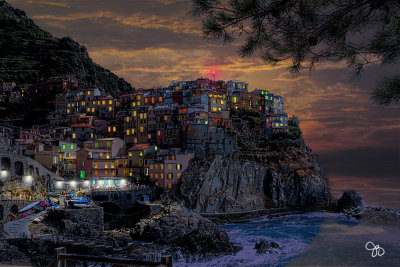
(161, 175)
(169, 166)
(103, 102)
(110, 102)
(170, 176)
(110, 108)
(151, 166)
(112, 165)
(95, 164)
(82, 163)
(169, 186)
(212, 128)
(197, 134)
(92, 109)
(141, 153)
(130, 154)
(178, 166)
(63, 146)
(106, 165)
(108, 144)
(127, 132)
(114, 129)
(141, 129)
(73, 135)
(140, 163)
(179, 175)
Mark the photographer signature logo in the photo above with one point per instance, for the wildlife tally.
(376, 249)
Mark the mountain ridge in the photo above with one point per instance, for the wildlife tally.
(28, 53)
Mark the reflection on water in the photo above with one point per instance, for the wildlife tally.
(308, 239)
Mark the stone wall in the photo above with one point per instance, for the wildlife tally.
(123, 199)
(6, 207)
(85, 222)
(17, 166)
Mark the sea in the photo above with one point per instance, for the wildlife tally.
(310, 239)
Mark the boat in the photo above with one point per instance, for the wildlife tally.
(79, 202)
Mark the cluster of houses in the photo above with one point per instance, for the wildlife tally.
(146, 137)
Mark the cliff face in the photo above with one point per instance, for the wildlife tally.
(29, 53)
(287, 175)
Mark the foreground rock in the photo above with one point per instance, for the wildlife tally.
(265, 246)
(178, 226)
(285, 176)
(349, 199)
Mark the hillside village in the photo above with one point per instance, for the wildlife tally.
(144, 138)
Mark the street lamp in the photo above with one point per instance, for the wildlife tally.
(73, 183)
(3, 173)
(28, 179)
(87, 183)
(59, 184)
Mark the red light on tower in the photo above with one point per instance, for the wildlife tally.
(213, 73)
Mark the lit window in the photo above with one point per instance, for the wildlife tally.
(103, 102)
(82, 174)
(114, 129)
(95, 164)
(63, 146)
(88, 92)
(178, 166)
(106, 165)
(169, 186)
(141, 129)
(92, 109)
(179, 175)
(127, 132)
(110, 108)
(110, 102)
(74, 135)
(169, 166)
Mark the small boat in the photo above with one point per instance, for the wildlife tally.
(79, 202)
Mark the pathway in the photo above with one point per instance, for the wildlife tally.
(17, 227)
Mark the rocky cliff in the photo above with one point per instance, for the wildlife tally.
(175, 225)
(29, 53)
(285, 174)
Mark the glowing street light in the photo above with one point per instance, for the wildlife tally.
(87, 183)
(73, 183)
(100, 182)
(4, 173)
(28, 179)
(59, 184)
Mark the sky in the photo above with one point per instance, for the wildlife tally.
(152, 42)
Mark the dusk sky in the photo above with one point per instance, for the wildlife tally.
(151, 42)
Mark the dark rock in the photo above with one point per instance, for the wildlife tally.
(178, 226)
(11, 254)
(264, 246)
(349, 199)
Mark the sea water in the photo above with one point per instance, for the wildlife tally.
(316, 238)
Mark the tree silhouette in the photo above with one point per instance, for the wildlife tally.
(307, 32)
